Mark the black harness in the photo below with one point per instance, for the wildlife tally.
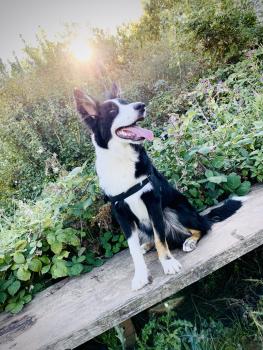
(131, 191)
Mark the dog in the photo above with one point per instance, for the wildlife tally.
(143, 201)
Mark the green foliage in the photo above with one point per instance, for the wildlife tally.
(168, 332)
(222, 29)
(52, 238)
(213, 145)
(43, 138)
(112, 243)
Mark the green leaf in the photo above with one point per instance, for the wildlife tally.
(74, 240)
(45, 269)
(243, 189)
(81, 251)
(56, 247)
(76, 269)
(62, 237)
(51, 238)
(209, 173)
(19, 258)
(233, 181)
(98, 262)
(23, 274)
(81, 259)
(20, 245)
(59, 269)
(8, 283)
(217, 179)
(45, 259)
(108, 253)
(246, 141)
(205, 149)
(90, 258)
(27, 298)
(14, 287)
(4, 267)
(107, 235)
(3, 297)
(115, 238)
(116, 248)
(14, 308)
(218, 162)
(87, 203)
(35, 265)
(193, 192)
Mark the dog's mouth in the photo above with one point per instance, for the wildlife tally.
(134, 133)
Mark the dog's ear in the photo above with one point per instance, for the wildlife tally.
(86, 105)
(115, 91)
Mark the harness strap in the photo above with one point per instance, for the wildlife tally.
(131, 191)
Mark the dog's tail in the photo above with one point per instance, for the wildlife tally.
(225, 211)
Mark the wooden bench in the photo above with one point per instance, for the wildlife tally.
(77, 309)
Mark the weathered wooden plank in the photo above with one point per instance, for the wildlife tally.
(77, 309)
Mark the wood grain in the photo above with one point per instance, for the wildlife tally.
(78, 309)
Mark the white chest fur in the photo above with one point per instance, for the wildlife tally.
(115, 167)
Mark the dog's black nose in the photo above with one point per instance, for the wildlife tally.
(139, 106)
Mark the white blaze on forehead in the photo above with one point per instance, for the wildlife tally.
(127, 115)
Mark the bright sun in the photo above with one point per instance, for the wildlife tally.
(80, 49)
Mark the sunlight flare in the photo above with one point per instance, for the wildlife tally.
(80, 49)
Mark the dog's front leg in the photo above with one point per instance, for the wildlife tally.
(141, 275)
(169, 263)
(125, 219)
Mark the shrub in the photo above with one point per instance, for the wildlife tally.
(53, 238)
(223, 29)
(211, 146)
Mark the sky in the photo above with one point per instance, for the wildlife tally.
(25, 16)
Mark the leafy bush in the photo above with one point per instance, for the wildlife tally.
(42, 139)
(168, 332)
(53, 238)
(211, 145)
(223, 29)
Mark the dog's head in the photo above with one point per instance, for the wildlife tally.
(114, 119)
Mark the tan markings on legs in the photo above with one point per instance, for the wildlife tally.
(191, 243)
(169, 263)
(196, 234)
(162, 248)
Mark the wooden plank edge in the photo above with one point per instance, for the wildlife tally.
(142, 302)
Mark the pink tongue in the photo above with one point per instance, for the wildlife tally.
(140, 132)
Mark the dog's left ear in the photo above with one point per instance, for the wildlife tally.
(115, 92)
(86, 105)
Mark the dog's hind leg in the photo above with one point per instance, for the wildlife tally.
(191, 242)
(147, 246)
(169, 263)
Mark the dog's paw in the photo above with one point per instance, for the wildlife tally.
(141, 279)
(189, 244)
(171, 266)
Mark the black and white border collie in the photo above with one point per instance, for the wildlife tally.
(143, 201)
